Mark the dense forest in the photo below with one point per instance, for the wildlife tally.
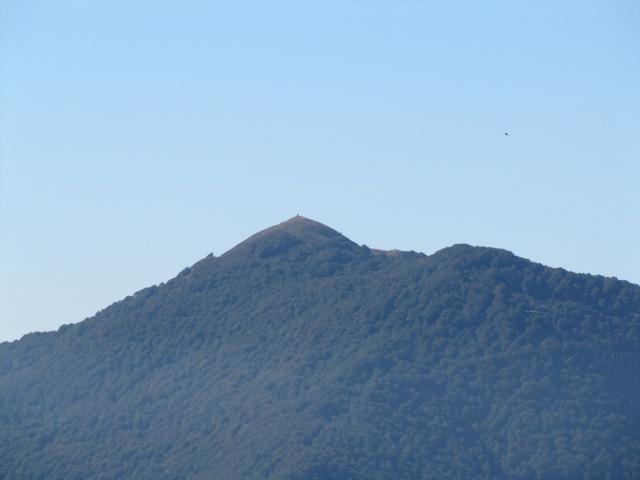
(300, 355)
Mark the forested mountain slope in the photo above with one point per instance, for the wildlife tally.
(301, 355)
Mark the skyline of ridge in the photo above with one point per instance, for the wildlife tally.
(301, 230)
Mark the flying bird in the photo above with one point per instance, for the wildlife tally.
(506, 133)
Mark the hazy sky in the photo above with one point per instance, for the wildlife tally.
(137, 137)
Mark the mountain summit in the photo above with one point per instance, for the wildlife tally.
(299, 227)
(279, 239)
(300, 355)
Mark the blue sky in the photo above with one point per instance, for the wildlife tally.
(137, 137)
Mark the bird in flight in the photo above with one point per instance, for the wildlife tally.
(506, 134)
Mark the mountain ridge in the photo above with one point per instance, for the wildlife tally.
(299, 354)
(299, 229)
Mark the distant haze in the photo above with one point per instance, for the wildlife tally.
(137, 137)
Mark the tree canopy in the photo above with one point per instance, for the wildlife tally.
(301, 355)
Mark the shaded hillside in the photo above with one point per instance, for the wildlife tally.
(301, 355)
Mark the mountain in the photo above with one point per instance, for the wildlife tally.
(300, 355)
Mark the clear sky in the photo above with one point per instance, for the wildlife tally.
(137, 137)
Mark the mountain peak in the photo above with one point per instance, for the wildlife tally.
(280, 238)
(300, 225)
